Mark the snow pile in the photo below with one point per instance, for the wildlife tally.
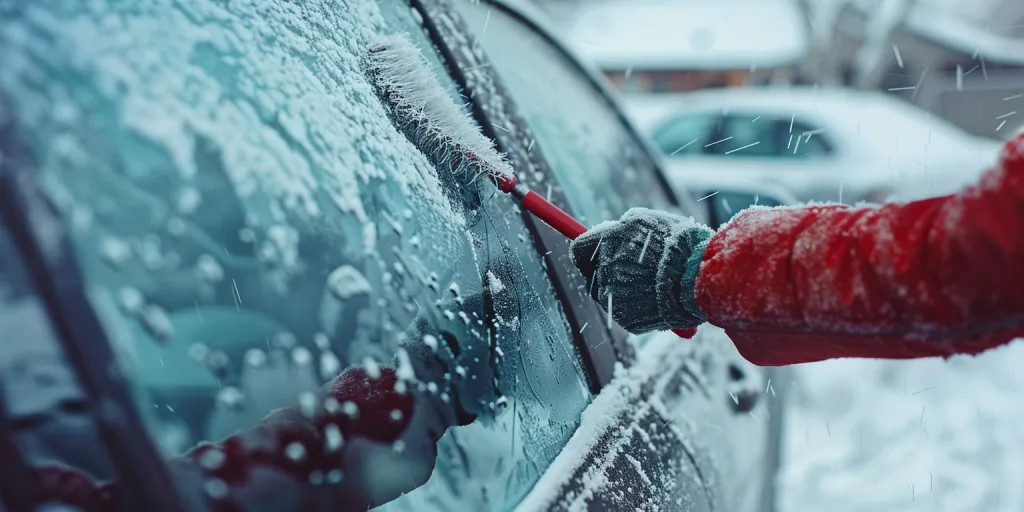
(864, 435)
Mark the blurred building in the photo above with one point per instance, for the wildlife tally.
(655, 46)
(962, 60)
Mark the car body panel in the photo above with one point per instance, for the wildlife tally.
(716, 429)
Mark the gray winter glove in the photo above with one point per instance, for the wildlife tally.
(647, 261)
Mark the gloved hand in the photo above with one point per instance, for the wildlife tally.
(647, 261)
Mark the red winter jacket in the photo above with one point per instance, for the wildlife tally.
(936, 277)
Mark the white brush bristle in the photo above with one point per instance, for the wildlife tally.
(405, 76)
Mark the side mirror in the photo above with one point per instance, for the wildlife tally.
(725, 204)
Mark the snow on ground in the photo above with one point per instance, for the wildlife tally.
(926, 435)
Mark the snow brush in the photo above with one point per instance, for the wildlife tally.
(404, 81)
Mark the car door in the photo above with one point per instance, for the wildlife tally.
(634, 452)
(245, 219)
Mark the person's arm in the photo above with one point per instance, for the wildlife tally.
(935, 277)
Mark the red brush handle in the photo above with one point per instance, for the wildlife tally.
(566, 225)
(552, 215)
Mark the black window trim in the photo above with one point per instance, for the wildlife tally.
(19, 485)
(38, 234)
(521, 12)
(598, 345)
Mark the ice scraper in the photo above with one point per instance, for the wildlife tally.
(406, 84)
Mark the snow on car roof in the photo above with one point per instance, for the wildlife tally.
(696, 34)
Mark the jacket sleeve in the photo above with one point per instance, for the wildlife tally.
(936, 277)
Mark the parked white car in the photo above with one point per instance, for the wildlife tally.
(821, 144)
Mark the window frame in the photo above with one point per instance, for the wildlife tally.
(39, 237)
(19, 487)
(473, 71)
(474, 74)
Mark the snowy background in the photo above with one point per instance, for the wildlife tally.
(924, 435)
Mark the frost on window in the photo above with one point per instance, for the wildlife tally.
(251, 224)
(601, 166)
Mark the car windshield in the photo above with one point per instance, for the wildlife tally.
(250, 221)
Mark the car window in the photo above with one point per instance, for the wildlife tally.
(741, 135)
(687, 134)
(798, 139)
(600, 165)
(250, 222)
(744, 136)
